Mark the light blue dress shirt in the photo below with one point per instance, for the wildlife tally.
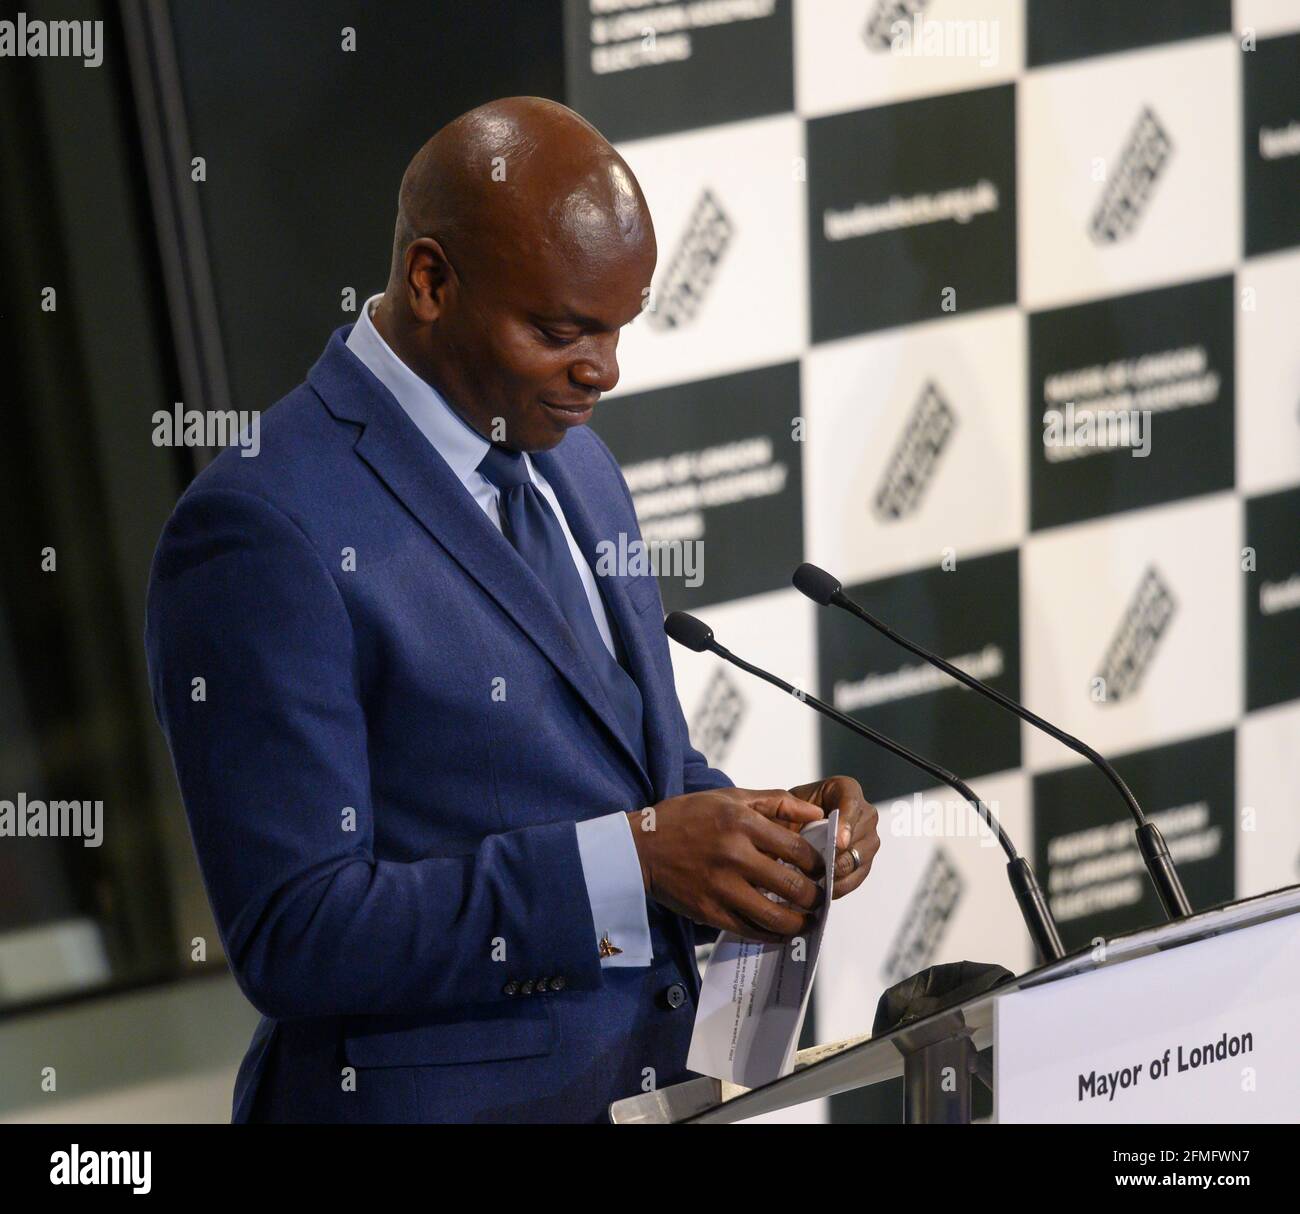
(610, 866)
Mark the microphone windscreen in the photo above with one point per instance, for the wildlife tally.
(687, 630)
(816, 583)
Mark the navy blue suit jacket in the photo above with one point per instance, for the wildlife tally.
(383, 765)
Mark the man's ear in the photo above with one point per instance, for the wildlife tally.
(430, 279)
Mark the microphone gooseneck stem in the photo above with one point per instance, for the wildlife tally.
(1029, 896)
(840, 599)
(1155, 851)
(939, 773)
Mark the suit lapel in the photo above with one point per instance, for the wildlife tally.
(617, 600)
(392, 445)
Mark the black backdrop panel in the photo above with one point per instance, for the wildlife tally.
(1058, 30)
(643, 72)
(1168, 353)
(1270, 111)
(713, 464)
(886, 230)
(971, 612)
(1085, 852)
(1273, 599)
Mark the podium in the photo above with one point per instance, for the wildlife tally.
(1192, 1021)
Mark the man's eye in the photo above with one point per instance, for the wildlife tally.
(558, 339)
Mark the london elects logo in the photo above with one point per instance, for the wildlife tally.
(1133, 646)
(1130, 186)
(718, 717)
(926, 919)
(693, 267)
(911, 466)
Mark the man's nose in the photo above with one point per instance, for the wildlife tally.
(598, 368)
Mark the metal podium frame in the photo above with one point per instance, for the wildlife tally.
(950, 1037)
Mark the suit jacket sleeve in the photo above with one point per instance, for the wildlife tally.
(271, 756)
(697, 775)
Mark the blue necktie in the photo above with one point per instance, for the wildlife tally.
(530, 525)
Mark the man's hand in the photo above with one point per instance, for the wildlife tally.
(710, 855)
(858, 819)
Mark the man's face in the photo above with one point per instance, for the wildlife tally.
(535, 339)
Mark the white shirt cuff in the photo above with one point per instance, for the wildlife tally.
(615, 888)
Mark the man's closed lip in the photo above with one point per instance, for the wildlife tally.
(575, 414)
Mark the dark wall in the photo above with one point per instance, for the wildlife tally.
(305, 145)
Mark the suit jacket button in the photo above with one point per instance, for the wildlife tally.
(675, 995)
(557, 983)
(540, 986)
(526, 988)
(510, 988)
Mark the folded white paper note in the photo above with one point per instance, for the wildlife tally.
(754, 996)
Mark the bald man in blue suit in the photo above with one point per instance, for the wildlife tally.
(454, 834)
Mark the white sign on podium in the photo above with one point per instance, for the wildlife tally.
(1205, 1032)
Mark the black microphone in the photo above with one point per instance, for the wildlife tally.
(822, 588)
(696, 635)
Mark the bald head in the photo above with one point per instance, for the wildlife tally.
(516, 177)
(523, 246)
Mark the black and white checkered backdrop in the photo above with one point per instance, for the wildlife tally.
(991, 308)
